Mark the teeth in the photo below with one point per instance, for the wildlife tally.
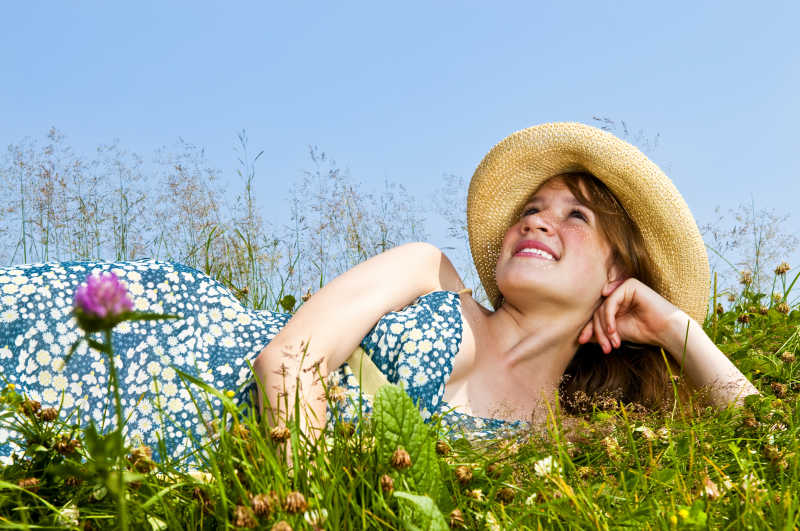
(539, 252)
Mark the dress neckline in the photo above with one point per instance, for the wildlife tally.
(444, 405)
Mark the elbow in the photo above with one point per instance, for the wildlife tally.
(426, 253)
(423, 250)
(259, 363)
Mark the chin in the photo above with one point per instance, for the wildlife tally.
(525, 290)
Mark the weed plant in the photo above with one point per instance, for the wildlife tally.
(614, 465)
(617, 465)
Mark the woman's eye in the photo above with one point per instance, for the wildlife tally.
(578, 214)
(529, 211)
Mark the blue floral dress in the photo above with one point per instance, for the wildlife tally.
(214, 341)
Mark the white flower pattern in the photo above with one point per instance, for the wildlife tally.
(415, 348)
(214, 340)
(37, 329)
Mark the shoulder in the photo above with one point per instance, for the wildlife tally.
(434, 263)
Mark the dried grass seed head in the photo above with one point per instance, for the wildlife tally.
(279, 434)
(295, 503)
(31, 407)
(456, 518)
(243, 517)
(463, 474)
(31, 484)
(506, 494)
(442, 448)
(401, 460)
(48, 414)
(263, 504)
(782, 269)
(387, 483)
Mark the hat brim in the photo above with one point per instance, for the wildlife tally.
(516, 166)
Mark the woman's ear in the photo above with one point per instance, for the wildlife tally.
(615, 278)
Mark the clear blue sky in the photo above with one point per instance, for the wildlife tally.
(413, 91)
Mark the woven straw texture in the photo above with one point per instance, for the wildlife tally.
(514, 168)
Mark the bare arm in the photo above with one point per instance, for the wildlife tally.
(331, 324)
(632, 311)
(705, 364)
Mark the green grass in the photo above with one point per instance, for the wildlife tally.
(617, 466)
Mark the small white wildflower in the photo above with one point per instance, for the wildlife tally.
(546, 466)
(491, 522)
(751, 481)
(710, 489)
(727, 484)
(646, 432)
(68, 516)
(316, 517)
(476, 494)
(156, 524)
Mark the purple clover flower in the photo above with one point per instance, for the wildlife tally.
(101, 302)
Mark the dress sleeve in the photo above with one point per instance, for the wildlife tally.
(416, 346)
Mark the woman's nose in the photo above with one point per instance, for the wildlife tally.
(540, 221)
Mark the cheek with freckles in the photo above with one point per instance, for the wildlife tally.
(591, 254)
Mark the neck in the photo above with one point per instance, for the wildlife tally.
(528, 349)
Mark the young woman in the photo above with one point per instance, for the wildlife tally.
(585, 248)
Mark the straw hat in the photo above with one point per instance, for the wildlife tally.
(515, 167)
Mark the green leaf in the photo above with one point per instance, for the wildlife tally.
(138, 316)
(399, 423)
(424, 510)
(102, 448)
(90, 323)
(4, 485)
(227, 402)
(99, 493)
(698, 515)
(72, 350)
(753, 401)
(102, 347)
(288, 302)
(665, 476)
(733, 448)
(156, 524)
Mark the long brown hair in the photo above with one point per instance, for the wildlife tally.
(632, 373)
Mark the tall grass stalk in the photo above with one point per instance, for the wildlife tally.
(616, 466)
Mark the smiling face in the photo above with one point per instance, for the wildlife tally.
(555, 253)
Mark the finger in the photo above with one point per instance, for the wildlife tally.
(604, 326)
(609, 288)
(610, 310)
(602, 339)
(619, 302)
(586, 333)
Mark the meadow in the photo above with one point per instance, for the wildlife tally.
(608, 465)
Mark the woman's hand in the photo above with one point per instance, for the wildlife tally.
(632, 312)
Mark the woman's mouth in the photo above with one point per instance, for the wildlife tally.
(535, 249)
(537, 253)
